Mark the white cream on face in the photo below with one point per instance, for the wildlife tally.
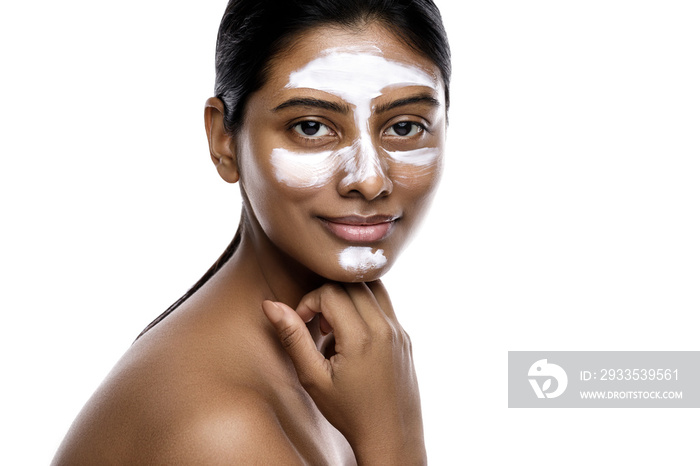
(360, 260)
(418, 157)
(357, 75)
(303, 170)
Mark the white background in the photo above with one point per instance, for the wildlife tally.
(567, 218)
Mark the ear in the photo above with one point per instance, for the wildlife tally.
(221, 144)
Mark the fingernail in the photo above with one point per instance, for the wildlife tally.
(273, 311)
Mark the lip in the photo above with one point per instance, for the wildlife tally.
(359, 229)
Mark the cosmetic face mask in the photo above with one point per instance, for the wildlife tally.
(361, 260)
(357, 75)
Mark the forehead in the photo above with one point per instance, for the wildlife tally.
(357, 70)
(364, 61)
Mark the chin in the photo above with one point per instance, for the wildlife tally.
(366, 277)
(360, 264)
(358, 276)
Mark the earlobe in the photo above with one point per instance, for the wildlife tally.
(221, 144)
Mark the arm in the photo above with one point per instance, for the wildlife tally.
(368, 389)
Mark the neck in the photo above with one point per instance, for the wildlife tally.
(259, 271)
(280, 278)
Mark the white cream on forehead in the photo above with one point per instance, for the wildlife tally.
(360, 259)
(357, 75)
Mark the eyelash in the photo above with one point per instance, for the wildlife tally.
(308, 137)
(295, 127)
(414, 125)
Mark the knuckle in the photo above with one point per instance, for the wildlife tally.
(407, 341)
(328, 292)
(325, 294)
(290, 336)
(398, 336)
(363, 342)
(387, 332)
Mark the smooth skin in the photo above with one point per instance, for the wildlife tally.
(235, 375)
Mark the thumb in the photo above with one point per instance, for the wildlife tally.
(309, 363)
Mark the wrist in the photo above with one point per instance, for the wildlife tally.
(405, 457)
(388, 450)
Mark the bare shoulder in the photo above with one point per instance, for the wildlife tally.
(239, 429)
(242, 429)
(195, 396)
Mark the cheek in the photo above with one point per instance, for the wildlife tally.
(298, 170)
(317, 169)
(424, 157)
(414, 168)
(281, 177)
(418, 171)
(277, 187)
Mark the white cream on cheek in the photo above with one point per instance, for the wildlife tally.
(419, 157)
(303, 170)
(357, 75)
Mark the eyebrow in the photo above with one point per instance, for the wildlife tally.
(310, 102)
(422, 98)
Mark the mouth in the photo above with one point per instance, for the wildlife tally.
(358, 229)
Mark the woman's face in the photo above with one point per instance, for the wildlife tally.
(341, 150)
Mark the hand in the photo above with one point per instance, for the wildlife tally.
(368, 389)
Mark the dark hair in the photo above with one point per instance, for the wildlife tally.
(253, 32)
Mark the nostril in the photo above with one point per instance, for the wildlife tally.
(371, 187)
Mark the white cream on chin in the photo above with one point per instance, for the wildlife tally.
(357, 75)
(361, 260)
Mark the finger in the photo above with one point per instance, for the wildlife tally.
(382, 296)
(309, 363)
(366, 304)
(323, 325)
(332, 301)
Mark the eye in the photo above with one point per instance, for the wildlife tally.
(312, 129)
(404, 129)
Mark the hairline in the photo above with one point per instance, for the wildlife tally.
(287, 43)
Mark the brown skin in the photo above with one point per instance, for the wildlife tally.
(221, 381)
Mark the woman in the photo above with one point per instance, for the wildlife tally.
(331, 116)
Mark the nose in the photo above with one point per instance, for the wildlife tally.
(365, 174)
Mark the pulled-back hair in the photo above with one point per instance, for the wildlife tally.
(253, 32)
